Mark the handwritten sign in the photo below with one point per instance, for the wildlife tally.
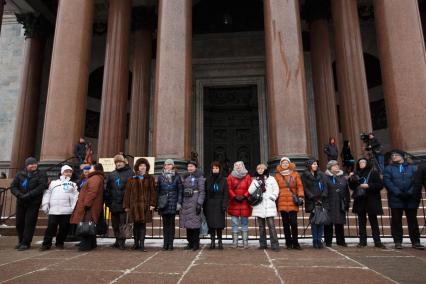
(108, 164)
(151, 161)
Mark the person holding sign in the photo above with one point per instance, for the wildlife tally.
(114, 194)
(140, 199)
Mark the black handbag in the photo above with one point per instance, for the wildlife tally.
(188, 192)
(359, 192)
(162, 201)
(296, 199)
(319, 216)
(85, 228)
(126, 229)
(255, 198)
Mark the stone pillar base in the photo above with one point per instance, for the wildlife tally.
(298, 160)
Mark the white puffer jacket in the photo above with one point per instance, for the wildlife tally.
(268, 207)
(60, 198)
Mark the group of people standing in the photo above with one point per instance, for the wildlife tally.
(132, 195)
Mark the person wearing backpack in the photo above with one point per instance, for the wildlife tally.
(266, 209)
(290, 198)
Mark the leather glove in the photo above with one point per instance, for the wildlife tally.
(198, 209)
(272, 198)
(224, 209)
(24, 197)
(178, 207)
(86, 208)
(239, 198)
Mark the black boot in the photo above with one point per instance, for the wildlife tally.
(121, 244)
(219, 239)
(136, 236)
(212, 239)
(196, 239)
(142, 233)
(190, 239)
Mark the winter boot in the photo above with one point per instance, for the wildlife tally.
(245, 239)
(235, 240)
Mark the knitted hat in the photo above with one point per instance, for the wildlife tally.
(169, 162)
(285, 159)
(64, 168)
(192, 162)
(119, 158)
(398, 152)
(30, 161)
(331, 163)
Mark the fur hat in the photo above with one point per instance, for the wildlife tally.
(331, 163)
(119, 158)
(64, 168)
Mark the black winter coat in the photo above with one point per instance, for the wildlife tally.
(215, 203)
(116, 187)
(313, 193)
(419, 179)
(331, 151)
(338, 198)
(29, 187)
(371, 203)
(174, 191)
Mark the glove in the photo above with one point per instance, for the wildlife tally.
(224, 209)
(178, 207)
(24, 197)
(86, 208)
(198, 209)
(272, 198)
(239, 198)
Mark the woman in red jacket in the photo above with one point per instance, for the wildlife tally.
(238, 183)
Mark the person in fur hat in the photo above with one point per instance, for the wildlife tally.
(338, 202)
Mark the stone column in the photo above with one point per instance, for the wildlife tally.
(351, 79)
(173, 81)
(68, 81)
(285, 79)
(141, 87)
(2, 3)
(28, 104)
(322, 77)
(112, 125)
(403, 62)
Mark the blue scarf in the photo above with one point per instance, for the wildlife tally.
(215, 187)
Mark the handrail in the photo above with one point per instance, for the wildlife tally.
(60, 163)
(5, 214)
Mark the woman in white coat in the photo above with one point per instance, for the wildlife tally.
(266, 210)
(59, 202)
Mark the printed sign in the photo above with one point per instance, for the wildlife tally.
(108, 164)
(151, 161)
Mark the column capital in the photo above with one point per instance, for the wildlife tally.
(317, 10)
(35, 26)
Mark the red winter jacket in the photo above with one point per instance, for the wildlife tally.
(238, 187)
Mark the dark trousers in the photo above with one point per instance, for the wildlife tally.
(290, 228)
(118, 219)
(272, 232)
(63, 221)
(216, 232)
(139, 232)
(413, 226)
(340, 234)
(26, 221)
(193, 238)
(88, 243)
(168, 230)
(362, 225)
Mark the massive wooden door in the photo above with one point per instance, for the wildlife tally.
(231, 127)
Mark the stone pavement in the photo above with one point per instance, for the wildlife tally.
(107, 265)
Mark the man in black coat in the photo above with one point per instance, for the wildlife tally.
(114, 194)
(80, 150)
(28, 188)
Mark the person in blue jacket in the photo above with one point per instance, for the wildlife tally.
(402, 197)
